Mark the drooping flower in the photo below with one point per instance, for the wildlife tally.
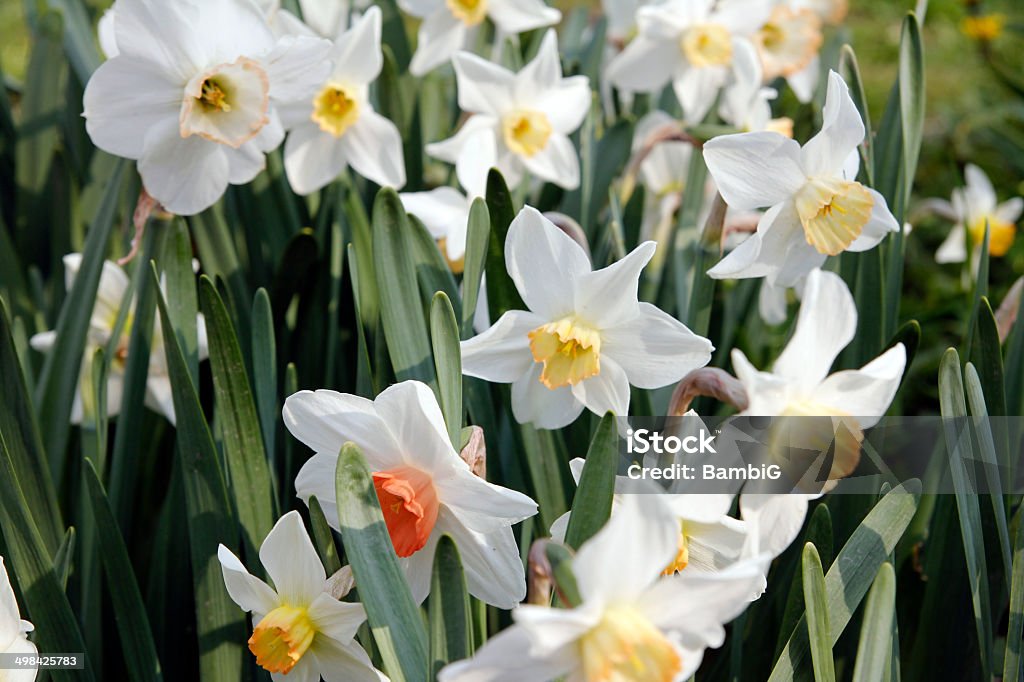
(193, 103)
(336, 126)
(973, 207)
(450, 25)
(13, 629)
(521, 121)
(633, 623)
(690, 43)
(800, 385)
(425, 489)
(301, 631)
(585, 337)
(817, 208)
(111, 294)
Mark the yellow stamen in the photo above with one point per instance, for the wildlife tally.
(214, 96)
(983, 27)
(1001, 234)
(335, 109)
(626, 647)
(682, 557)
(570, 351)
(833, 213)
(526, 132)
(707, 45)
(469, 12)
(281, 638)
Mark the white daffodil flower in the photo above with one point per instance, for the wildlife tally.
(13, 630)
(193, 103)
(745, 102)
(817, 208)
(301, 631)
(831, 12)
(585, 337)
(336, 125)
(973, 207)
(662, 173)
(444, 211)
(800, 385)
(450, 25)
(425, 489)
(788, 44)
(690, 43)
(521, 121)
(633, 623)
(709, 539)
(110, 295)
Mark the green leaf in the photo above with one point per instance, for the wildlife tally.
(405, 327)
(323, 537)
(444, 339)
(63, 558)
(39, 133)
(393, 615)
(560, 558)
(239, 425)
(1015, 626)
(432, 271)
(502, 294)
(264, 369)
(182, 304)
(850, 69)
(912, 100)
(987, 355)
(79, 42)
(959, 452)
(477, 236)
(816, 603)
(876, 631)
(129, 610)
(448, 611)
(592, 504)
(220, 623)
(58, 381)
(853, 571)
(819, 533)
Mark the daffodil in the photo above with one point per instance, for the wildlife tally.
(632, 623)
(745, 102)
(445, 213)
(973, 207)
(301, 631)
(816, 208)
(336, 125)
(425, 489)
(788, 44)
(450, 25)
(193, 102)
(521, 121)
(688, 43)
(13, 629)
(111, 294)
(585, 337)
(709, 539)
(799, 385)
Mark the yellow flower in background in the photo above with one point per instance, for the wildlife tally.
(983, 27)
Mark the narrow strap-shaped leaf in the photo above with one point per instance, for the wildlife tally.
(592, 504)
(264, 367)
(819, 533)
(322, 537)
(432, 271)
(239, 425)
(876, 630)
(560, 559)
(1015, 626)
(502, 294)
(987, 355)
(444, 339)
(220, 623)
(393, 615)
(816, 603)
(448, 611)
(129, 610)
(477, 236)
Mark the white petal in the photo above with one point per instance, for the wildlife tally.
(484, 87)
(444, 211)
(316, 479)
(344, 662)
(494, 569)
(326, 17)
(841, 131)
(771, 303)
(866, 392)
(545, 264)
(126, 98)
(297, 67)
(517, 16)
(645, 65)
(373, 146)
(768, 394)
(476, 158)
(804, 82)
(754, 170)
(606, 392)
(534, 403)
(541, 73)
(161, 32)
(338, 620)
(482, 506)
(656, 349)
(43, 341)
(878, 227)
(186, 175)
(505, 658)
(312, 158)
(249, 592)
(502, 353)
(441, 35)
(159, 396)
(357, 55)
(20, 646)
(105, 31)
(1009, 211)
(827, 323)
(292, 562)
(981, 196)
(412, 414)
(305, 670)
(245, 163)
(325, 420)
(10, 616)
(451, 149)
(778, 244)
(696, 89)
(608, 297)
(629, 553)
(700, 508)
(954, 248)
(557, 162)
(775, 520)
